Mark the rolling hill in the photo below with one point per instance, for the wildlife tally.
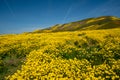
(82, 52)
(103, 22)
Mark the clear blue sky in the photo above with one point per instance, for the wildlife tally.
(17, 16)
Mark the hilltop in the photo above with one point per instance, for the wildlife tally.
(83, 50)
(103, 22)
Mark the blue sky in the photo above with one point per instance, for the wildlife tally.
(17, 16)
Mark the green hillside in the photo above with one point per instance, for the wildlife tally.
(83, 50)
(104, 22)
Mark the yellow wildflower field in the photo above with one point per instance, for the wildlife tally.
(77, 55)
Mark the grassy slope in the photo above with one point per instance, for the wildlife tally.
(76, 55)
(104, 22)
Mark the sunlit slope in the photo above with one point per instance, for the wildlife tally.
(103, 22)
(62, 55)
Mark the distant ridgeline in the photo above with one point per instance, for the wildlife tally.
(103, 22)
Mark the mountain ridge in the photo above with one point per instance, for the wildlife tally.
(95, 23)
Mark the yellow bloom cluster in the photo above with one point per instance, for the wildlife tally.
(79, 55)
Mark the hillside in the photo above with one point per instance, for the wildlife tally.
(103, 22)
(78, 55)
